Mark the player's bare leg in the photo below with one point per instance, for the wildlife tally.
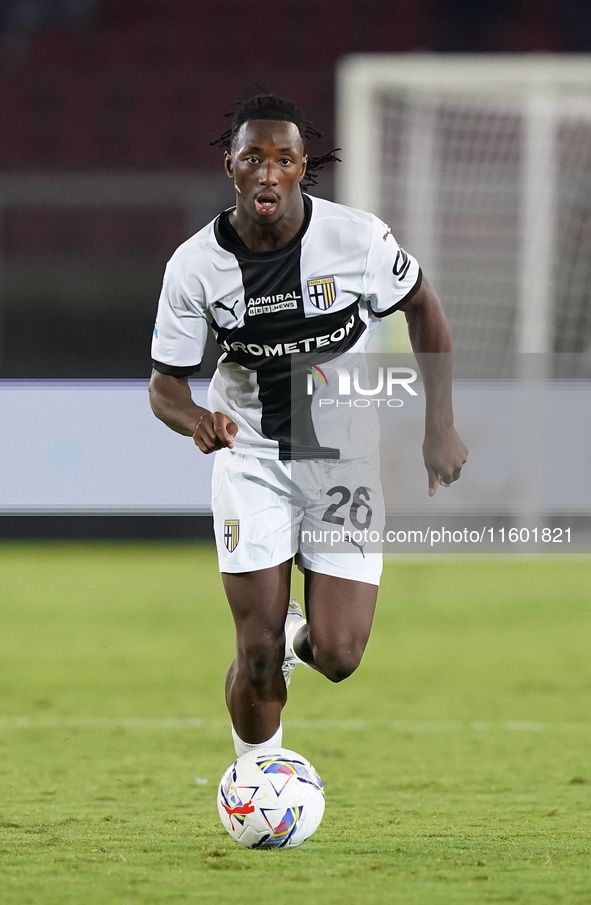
(339, 619)
(340, 615)
(255, 689)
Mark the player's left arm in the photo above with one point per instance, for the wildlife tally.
(443, 450)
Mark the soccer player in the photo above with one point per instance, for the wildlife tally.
(282, 274)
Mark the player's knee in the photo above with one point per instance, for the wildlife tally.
(338, 663)
(258, 660)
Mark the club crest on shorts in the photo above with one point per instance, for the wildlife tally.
(322, 292)
(231, 533)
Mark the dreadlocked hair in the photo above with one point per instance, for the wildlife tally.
(269, 106)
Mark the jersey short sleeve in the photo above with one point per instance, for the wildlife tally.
(180, 332)
(392, 276)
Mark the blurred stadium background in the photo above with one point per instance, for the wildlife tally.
(107, 111)
(476, 683)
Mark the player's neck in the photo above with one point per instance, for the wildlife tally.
(266, 237)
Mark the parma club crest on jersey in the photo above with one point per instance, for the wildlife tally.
(231, 533)
(322, 292)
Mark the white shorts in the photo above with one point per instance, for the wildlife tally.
(327, 513)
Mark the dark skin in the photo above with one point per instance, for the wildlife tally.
(267, 164)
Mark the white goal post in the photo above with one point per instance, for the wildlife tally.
(482, 167)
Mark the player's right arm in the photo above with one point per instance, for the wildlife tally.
(172, 403)
(179, 339)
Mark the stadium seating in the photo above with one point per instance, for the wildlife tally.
(145, 86)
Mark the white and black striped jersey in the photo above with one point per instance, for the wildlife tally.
(318, 295)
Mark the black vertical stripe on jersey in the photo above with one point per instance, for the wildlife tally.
(284, 418)
(286, 414)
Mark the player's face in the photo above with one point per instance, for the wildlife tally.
(267, 164)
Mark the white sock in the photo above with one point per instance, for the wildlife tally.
(244, 747)
(292, 626)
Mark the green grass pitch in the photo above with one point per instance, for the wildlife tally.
(457, 760)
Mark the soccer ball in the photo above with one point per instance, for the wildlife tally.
(271, 798)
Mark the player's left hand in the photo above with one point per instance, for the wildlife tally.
(444, 454)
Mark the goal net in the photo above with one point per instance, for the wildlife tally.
(482, 167)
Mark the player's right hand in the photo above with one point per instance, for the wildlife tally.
(214, 431)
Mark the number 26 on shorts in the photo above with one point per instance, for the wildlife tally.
(360, 511)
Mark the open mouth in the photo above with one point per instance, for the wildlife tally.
(265, 205)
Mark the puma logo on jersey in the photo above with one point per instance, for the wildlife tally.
(387, 233)
(230, 308)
